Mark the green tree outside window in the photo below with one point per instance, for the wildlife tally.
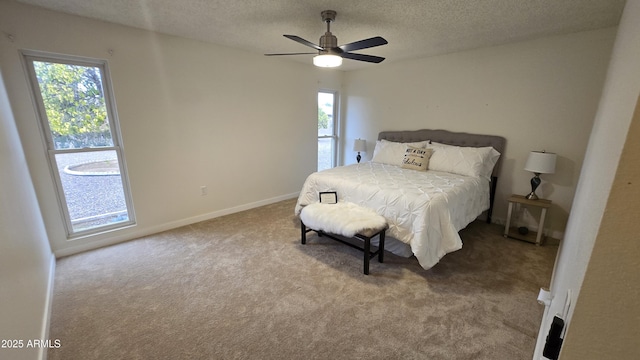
(74, 104)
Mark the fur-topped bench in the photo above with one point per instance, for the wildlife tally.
(348, 220)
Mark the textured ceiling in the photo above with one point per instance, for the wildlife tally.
(414, 28)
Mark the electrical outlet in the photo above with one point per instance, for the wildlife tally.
(203, 190)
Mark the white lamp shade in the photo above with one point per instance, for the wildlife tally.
(360, 145)
(327, 60)
(541, 162)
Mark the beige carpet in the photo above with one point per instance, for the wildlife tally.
(243, 287)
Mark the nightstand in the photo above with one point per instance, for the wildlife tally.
(532, 236)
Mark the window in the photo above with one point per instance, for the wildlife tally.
(78, 120)
(327, 130)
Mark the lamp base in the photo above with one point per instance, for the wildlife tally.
(532, 196)
(535, 182)
(358, 157)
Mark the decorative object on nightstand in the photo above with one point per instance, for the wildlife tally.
(522, 233)
(539, 162)
(360, 145)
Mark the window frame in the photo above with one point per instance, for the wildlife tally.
(336, 125)
(28, 58)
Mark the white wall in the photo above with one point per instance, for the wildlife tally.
(539, 94)
(191, 114)
(610, 130)
(26, 261)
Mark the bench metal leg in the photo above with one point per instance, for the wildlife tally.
(381, 247)
(367, 254)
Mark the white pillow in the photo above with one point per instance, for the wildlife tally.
(390, 152)
(463, 160)
(417, 158)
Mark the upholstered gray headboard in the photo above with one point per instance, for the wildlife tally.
(458, 139)
(450, 138)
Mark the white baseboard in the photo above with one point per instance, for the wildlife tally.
(46, 317)
(223, 212)
(111, 240)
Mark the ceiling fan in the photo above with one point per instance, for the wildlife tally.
(329, 53)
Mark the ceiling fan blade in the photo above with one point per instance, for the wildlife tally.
(364, 44)
(303, 41)
(311, 53)
(362, 57)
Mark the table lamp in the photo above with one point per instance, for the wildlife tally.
(539, 162)
(360, 145)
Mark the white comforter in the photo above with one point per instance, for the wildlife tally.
(424, 209)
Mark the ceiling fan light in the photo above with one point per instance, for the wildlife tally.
(327, 60)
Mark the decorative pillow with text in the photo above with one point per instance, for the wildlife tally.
(416, 158)
(391, 152)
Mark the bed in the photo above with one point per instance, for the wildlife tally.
(428, 184)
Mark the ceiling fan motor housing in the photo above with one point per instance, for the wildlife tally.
(328, 41)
